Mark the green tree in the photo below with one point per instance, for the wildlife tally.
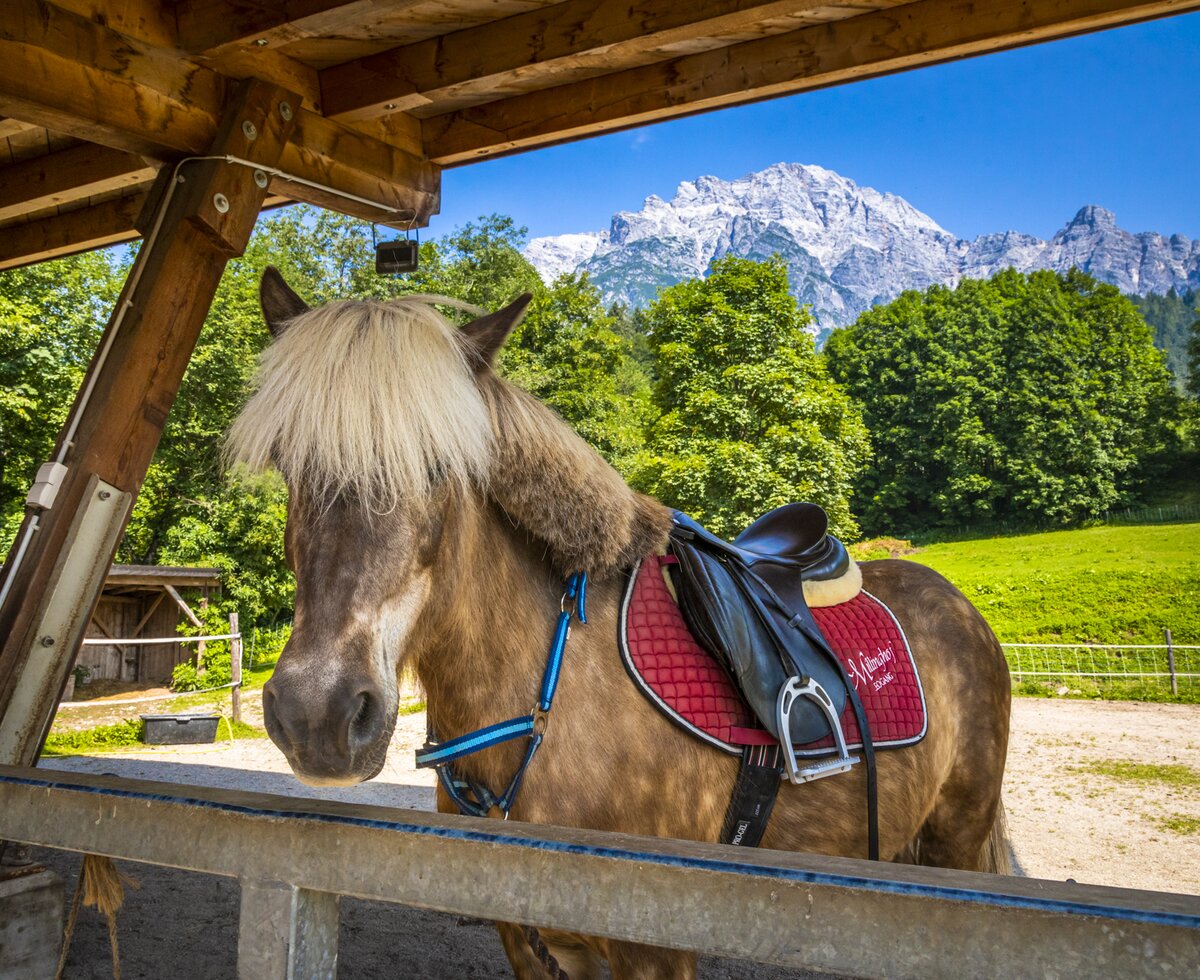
(1036, 398)
(569, 354)
(750, 418)
(1193, 359)
(1170, 317)
(51, 316)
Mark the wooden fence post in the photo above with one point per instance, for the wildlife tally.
(200, 647)
(1171, 664)
(235, 664)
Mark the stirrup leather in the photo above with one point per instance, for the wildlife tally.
(805, 687)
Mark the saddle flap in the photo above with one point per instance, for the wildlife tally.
(760, 644)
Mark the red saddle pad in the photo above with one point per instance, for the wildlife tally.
(691, 687)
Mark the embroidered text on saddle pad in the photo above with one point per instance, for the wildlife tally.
(684, 681)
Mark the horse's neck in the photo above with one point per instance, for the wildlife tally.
(484, 651)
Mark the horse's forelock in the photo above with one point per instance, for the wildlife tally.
(369, 399)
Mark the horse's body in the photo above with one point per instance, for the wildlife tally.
(463, 576)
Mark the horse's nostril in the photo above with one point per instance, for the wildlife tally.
(363, 720)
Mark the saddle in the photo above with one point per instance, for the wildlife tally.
(744, 602)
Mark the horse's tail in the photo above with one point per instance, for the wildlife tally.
(997, 857)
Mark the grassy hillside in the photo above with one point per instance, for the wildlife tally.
(1097, 585)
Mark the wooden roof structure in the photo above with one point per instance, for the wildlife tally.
(179, 120)
(95, 95)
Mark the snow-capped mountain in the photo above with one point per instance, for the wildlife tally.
(847, 247)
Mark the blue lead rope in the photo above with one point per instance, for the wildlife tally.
(441, 755)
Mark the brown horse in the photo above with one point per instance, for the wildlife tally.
(434, 511)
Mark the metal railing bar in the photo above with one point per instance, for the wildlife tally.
(960, 886)
(774, 907)
(100, 641)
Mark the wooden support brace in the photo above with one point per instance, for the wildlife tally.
(132, 383)
(183, 606)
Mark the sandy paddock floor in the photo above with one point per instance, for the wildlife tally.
(1065, 821)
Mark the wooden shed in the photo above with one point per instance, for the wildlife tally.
(144, 601)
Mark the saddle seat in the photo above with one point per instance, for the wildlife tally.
(791, 549)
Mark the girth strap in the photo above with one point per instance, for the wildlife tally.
(754, 793)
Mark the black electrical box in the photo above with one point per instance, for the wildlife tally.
(395, 257)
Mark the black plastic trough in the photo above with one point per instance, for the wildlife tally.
(180, 729)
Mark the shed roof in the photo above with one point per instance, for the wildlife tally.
(158, 575)
(95, 95)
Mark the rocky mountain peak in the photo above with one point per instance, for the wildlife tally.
(1093, 216)
(848, 247)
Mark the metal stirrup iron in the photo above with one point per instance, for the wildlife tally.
(805, 687)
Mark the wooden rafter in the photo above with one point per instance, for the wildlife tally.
(921, 33)
(563, 41)
(68, 73)
(14, 127)
(66, 176)
(109, 223)
(170, 590)
(204, 26)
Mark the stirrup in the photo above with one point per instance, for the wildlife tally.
(788, 694)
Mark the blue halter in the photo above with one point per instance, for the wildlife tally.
(442, 755)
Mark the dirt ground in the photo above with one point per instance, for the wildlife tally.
(1065, 822)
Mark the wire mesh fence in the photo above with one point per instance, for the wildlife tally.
(1157, 672)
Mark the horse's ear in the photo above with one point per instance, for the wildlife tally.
(280, 304)
(484, 337)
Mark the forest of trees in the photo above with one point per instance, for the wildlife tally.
(1026, 397)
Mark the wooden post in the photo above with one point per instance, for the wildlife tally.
(286, 932)
(1171, 664)
(235, 665)
(127, 394)
(201, 646)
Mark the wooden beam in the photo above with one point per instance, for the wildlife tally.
(565, 39)
(66, 73)
(330, 153)
(915, 34)
(109, 223)
(66, 176)
(14, 127)
(178, 599)
(128, 392)
(150, 20)
(204, 25)
(137, 630)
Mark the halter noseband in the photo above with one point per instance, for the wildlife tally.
(442, 755)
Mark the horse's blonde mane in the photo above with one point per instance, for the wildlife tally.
(370, 398)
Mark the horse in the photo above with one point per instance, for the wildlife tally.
(434, 512)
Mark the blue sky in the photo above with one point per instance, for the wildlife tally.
(1018, 140)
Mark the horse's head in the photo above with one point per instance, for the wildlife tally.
(373, 413)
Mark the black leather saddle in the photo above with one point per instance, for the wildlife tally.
(744, 602)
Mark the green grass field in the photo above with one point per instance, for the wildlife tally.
(1096, 585)
(1111, 585)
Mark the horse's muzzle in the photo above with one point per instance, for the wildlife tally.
(335, 736)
